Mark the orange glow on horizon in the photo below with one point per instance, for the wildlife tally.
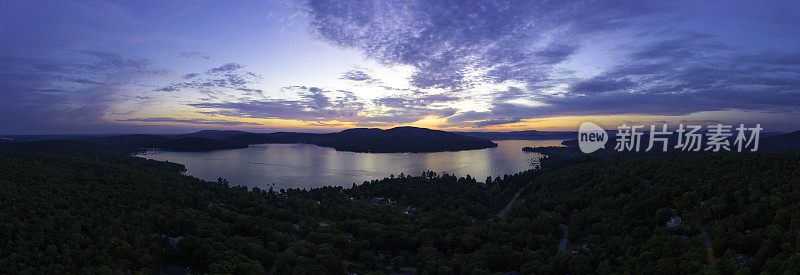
(556, 123)
(566, 123)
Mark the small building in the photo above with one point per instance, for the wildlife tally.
(173, 241)
(218, 202)
(752, 230)
(674, 221)
(742, 258)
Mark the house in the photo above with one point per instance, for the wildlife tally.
(173, 241)
(213, 202)
(742, 258)
(585, 245)
(674, 221)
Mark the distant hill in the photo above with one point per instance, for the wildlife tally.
(122, 144)
(132, 143)
(279, 137)
(789, 142)
(402, 139)
(215, 134)
(523, 135)
(395, 140)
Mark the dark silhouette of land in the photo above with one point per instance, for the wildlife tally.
(373, 140)
(789, 142)
(395, 140)
(523, 135)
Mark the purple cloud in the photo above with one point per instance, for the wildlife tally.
(191, 121)
(356, 75)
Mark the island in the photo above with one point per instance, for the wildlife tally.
(373, 140)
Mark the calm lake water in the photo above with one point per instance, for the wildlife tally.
(309, 166)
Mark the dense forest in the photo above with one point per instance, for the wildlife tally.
(93, 211)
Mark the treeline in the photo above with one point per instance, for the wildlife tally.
(97, 212)
(616, 212)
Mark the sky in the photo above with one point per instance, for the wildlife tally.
(104, 67)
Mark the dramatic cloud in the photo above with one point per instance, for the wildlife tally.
(484, 123)
(465, 64)
(446, 40)
(410, 108)
(664, 66)
(314, 105)
(356, 75)
(73, 90)
(317, 105)
(218, 79)
(414, 101)
(225, 68)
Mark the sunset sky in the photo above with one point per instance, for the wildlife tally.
(85, 67)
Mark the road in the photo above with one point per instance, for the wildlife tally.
(562, 246)
(508, 206)
(706, 240)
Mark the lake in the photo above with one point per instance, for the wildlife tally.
(308, 166)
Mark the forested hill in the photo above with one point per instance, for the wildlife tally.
(523, 135)
(789, 142)
(394, 140)
(95, 212)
